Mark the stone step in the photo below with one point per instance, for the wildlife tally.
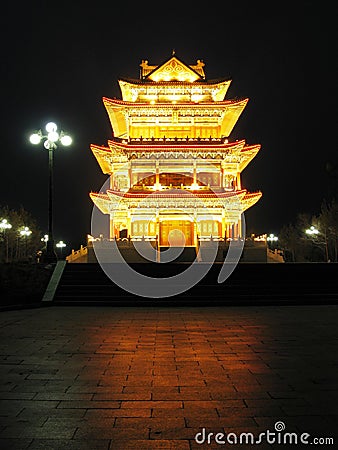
(250, 283)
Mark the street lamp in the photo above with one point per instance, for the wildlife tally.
(61, 245)
(5, 225)
(314, 233)
(312, 230)
(272, 239)
(50, 143)
(25, 232)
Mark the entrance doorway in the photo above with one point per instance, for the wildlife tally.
(176, 233)
(123, 234)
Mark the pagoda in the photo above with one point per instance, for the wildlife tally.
(175, 175)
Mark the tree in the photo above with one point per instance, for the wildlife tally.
(328, 226)
(294, 242)
(15, 246)
(332, 172)
(288, 242)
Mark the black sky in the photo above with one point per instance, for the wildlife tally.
(59, 61)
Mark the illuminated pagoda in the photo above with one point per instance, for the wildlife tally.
(173, 171)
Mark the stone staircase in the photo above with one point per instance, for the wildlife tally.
(185, 254)
(249, 284)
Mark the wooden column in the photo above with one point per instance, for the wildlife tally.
(130, 172)
(239, 186)
(157, 173)
(222, 177)
(111, 228)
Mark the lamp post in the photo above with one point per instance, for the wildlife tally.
(45, 238)
(312, 230)
(25, 232)
(314, 233)
(61, 245)
(272, 238)
(50, 143)
(5, 225)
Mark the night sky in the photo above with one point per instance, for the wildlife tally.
(59, 61)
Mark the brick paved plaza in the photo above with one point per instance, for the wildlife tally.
(149, 378)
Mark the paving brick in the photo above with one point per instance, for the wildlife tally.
(148, 378)
(220, 422)
(163, 395)
(272, 410)
(114, 433)
(29, 431)
(28, 413)
(93, 388)
(70, 396)
(68, 444)
(174, 434)
(17, 395)
(16, 444)
(168, 404)
(122, 396)
(154, 423)
(126, 412)
(32, 419)
(158, 444)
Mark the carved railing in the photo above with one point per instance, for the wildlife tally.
(77, 254)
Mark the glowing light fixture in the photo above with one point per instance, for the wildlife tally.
(66, 140)
(50, 143)
(25, 232)
(196, 98)
(272, 238)
(53, 136)
(61, 245)
(4, 225)
(157, 187)
(195, 187)
(35, 138)
(51, 127)
(312, 230)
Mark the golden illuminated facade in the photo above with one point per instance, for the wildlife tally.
(173, 172)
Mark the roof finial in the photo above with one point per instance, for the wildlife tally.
(173, 52)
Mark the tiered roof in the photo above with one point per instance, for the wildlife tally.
(172, 69)
(174, 198)
(120, 151)
(173, 87)
(225, 112)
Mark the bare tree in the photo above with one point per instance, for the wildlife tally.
(16, 246)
